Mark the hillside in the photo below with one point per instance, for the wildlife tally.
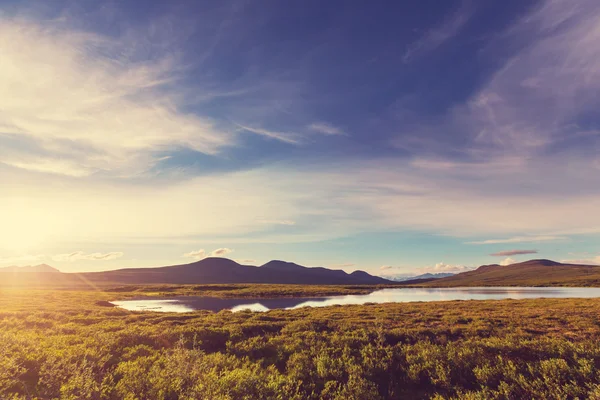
(207, 271)
(528, 273)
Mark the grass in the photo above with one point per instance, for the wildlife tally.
(61, 345)
(247, 290)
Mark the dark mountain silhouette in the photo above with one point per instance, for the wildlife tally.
(528, 273)
(223, 270)
(217, 270)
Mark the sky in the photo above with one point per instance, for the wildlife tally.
(392, 137)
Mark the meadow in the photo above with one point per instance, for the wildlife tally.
(69, 345)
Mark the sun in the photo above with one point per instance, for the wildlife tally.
(23, 235)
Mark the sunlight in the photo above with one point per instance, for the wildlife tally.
(25, 230)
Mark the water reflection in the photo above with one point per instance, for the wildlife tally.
(192, 303)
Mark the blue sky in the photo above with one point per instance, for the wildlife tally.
(397, 137)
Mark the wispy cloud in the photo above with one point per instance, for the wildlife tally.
(91, 107)
(195, 254)
(87, 111)
(534, 100)
(507, 253)
(385, 267)
(325, 129)
(80, 255)
(439, 35)
(519, 239)
(290, 138)
(223, 251)
(201, 253)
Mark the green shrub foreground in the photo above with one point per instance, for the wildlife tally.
(61, 345)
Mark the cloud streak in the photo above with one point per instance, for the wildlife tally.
(80, 255)
(519, 239)
(507, 253)
(534, 100)
(325, 129)
(439, 35)
(289, 138)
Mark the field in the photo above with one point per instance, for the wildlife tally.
(66, 345)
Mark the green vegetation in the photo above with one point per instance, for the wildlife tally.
(528, 273)
(66, 345)
(247, 290)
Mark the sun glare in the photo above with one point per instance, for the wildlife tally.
(25, 232)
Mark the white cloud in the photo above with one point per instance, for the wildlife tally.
(126, 107)
(200, 254)
(196, 254)
(535, 99)
(330, 200)
(443, 267)
(80, 255)
(583, 261)
(508, 261)
(87, 105)
(221, 252)
(385, 267)
(290, 138)
(325, 129)
(519, 239)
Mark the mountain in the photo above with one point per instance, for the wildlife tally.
(223, 270)
(529, 273)
(217, 270)
(30, 268)
(403, 278)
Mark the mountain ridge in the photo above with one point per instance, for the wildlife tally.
(217, 270)
(537, 272)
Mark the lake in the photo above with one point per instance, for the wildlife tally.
(193, 303)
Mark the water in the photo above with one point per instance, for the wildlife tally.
(400, 295)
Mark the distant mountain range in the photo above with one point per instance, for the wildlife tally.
(222, 270)
(529, 273)
(30, 268)
(207, 271)
(403, 278)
